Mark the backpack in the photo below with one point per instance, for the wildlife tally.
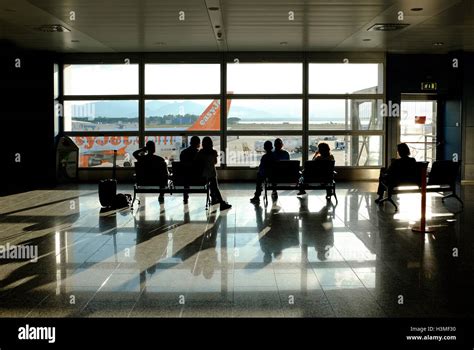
(122, 201)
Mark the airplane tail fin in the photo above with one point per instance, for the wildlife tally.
(210, 119)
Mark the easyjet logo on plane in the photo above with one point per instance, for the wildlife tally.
(210, 118)
(214, 107)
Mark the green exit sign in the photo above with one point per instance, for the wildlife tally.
(429, 86)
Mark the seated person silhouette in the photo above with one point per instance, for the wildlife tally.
(400, 170)
(323, 153)
(279, 154)
(206, 161)
(154, 167)
(188, 155)
(265, 162)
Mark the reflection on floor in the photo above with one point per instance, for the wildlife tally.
(297, 257)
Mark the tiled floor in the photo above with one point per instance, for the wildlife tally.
(295, 258)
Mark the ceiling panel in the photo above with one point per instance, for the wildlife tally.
(247, 25)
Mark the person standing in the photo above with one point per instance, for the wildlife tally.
(206, 160)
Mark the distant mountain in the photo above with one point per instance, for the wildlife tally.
(151, 106)
(129, 109)
(115, 109)
(121, 109)
(161, 108)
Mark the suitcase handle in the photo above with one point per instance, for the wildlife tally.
(114, 165)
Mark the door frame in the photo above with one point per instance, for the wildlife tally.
(421, 97)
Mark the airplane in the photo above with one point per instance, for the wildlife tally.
(99, 150)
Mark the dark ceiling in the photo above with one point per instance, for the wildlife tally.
(239, 25)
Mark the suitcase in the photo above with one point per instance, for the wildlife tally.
(108, 187)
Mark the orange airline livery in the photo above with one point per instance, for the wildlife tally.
(98, 150)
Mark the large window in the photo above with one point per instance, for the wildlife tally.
(115, 106)
(268, 78)
(164, 79)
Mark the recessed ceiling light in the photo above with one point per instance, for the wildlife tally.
(366, 39)
(439, 43)
(283, 42)
(52, 28)
(416, 9)
(213, 8)
(387, 27)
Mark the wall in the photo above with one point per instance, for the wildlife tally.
(27, 149)
(468, 116)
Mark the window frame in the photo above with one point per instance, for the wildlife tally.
(223, 59)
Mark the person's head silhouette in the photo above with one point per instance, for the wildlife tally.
(267, 146)
(278, 144)
(207, 143)
(403, 150)
(324, 150)
(150, 146)
(195, 141)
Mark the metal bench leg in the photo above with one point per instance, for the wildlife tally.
(135, 196)
(208, 199)
(334, 193)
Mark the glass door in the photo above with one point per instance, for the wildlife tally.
(418, 128)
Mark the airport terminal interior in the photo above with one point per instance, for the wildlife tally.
(85, 84)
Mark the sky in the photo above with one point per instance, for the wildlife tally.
(249, 78)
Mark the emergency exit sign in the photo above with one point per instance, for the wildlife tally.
(429, 86)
